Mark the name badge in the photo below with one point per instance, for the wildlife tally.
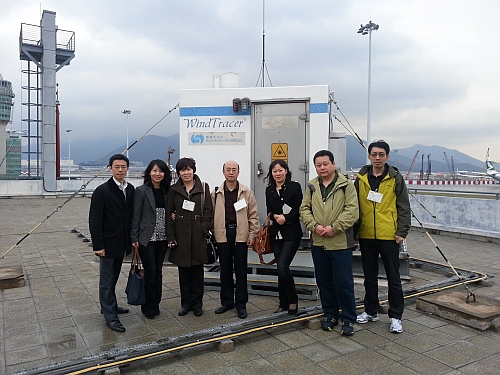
(188, 205)
(240, 204)
(375, 197)
(286, 209)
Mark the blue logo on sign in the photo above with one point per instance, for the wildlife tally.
(197, 138)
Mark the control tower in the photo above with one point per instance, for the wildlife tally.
(6, 96)
(47, 49)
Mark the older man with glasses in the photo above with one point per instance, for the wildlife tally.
(385, 219)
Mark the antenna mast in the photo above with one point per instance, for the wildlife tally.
(263, 68)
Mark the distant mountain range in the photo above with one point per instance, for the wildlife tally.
(155, 147)
(149, 148)
(402, 158)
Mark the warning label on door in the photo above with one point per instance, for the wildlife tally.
(279, 151)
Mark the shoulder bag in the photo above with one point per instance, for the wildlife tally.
(211, 247)
(136, 294)
(262, 243)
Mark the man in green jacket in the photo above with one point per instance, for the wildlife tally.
(385, 215)
(329, 210)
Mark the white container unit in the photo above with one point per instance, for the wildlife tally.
(254, 126)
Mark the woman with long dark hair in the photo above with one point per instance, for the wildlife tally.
(190, 201)
(283, 199)
(149, 231)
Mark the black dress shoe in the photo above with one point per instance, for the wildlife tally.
(184, 311)
(198, 312)
(122, 310)
(295, 310)
(116, 326)
(149, 315)
(242, 314)
(223, 309)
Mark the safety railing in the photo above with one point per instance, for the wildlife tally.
(32, 35)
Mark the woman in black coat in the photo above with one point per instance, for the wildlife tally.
(149, 231)
(190, 202)
(283, 199)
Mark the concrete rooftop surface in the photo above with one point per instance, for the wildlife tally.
(55, 316)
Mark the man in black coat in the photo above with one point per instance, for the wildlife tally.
(110, 219)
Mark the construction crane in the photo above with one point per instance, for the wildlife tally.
(407, 175)
(450, 166)
(448, 163)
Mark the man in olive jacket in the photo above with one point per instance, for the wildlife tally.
(385, 219)
(329, 210)
(110, 219)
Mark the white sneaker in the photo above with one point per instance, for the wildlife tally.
(365, 318)
(396, 326)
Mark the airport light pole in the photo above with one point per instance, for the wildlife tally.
(69, 153)
(127, 112)
(363, 30)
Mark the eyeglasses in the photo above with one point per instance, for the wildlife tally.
(379, 154)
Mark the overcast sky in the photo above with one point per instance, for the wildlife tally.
(435, 63)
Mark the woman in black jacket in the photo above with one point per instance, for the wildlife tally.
(149, 231)
(190, 202)
(283, 199)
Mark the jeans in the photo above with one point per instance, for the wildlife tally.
(152, 257)
(389, 252)
(284, 251)
(333, 269)
(109, 271)
(233, 253)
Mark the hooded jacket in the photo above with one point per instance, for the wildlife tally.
(340, 210)
(389, 218)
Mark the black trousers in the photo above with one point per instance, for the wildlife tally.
(389, 253)
(109, 271)
(152, 257)
(191, 286)
(284, 252)
(231, 254)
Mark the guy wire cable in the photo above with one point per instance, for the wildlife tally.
(352, 131)
(425, 208)
(469, 292)
(84, 185)
(356, 136)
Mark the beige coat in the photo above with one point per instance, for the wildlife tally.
(247, 219)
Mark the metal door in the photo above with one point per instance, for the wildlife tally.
(280, 132)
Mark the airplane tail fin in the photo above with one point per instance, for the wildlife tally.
(489, 165)
(490, 169)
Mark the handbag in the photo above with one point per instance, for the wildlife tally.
(211, 248)
(136, 294)
(262, 242)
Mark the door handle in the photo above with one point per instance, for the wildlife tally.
(259, 168)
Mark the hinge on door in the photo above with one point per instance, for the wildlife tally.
(304, 167)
